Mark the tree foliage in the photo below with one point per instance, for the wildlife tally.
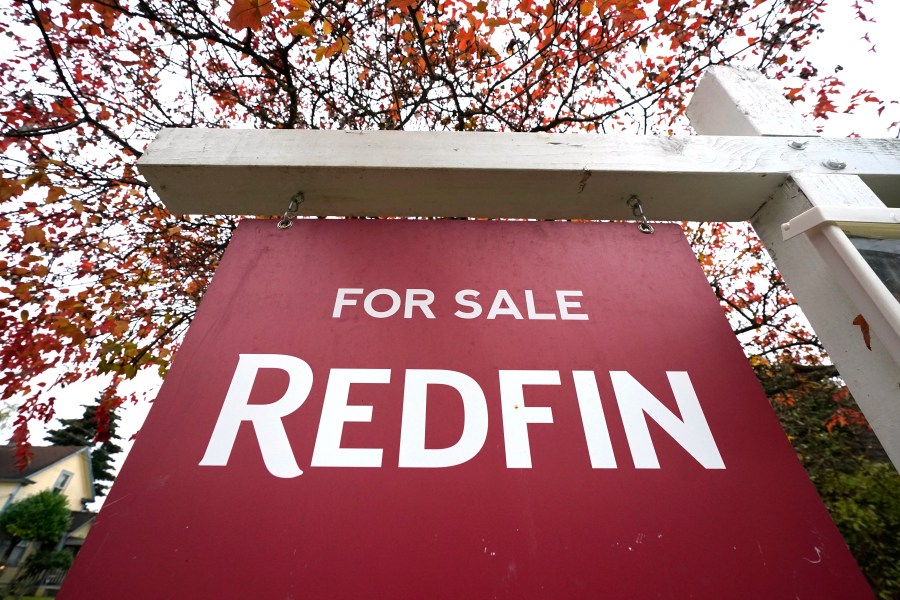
(843, 458)
(96, 431)
(43, 517)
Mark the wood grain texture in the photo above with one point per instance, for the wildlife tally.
(543, 176)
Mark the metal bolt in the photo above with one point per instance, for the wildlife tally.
(834, 165)
(797, 145)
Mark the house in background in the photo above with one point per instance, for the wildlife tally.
(66, 469)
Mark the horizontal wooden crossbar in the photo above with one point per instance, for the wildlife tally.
(524, 175)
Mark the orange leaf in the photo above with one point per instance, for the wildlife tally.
(34, 234)
(864, 327)
(586, 8)
(248, 14)
(120, 328)
(403, 4)
(54, 194)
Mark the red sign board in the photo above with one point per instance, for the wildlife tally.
(453, 409)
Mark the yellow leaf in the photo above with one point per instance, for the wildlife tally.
(320, 52)
(586, 8)
(326, 27)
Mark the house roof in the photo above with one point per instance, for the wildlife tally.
(80, 518)
(43, 457)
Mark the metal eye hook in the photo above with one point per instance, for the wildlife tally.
(637, 210)
(288, 219)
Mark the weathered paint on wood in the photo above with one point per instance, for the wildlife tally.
(873, 376)
(523, 175)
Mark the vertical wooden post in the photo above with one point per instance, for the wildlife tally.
(736, 102)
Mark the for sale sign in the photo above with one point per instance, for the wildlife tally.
(455, 409)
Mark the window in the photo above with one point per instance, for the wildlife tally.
(62, 481)
(883, 255)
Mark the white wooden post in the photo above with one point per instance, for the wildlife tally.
(734, 102)
(490, 174)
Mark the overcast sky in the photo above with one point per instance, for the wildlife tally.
(842, 46)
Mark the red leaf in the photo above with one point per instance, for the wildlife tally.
(20, 441)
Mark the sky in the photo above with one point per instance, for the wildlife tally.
(840, 50)
(842, 47)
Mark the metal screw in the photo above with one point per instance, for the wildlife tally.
(835, 165)
(797, 145)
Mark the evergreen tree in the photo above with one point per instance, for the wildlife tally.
(84, 432)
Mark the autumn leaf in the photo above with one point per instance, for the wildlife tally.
(34, 234)
(303, 29)
(403, 5)
(248, 14)
(54, 194)
(120, 328)
(863, 325)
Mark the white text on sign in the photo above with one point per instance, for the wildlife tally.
(383, 303)
(635, 404)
